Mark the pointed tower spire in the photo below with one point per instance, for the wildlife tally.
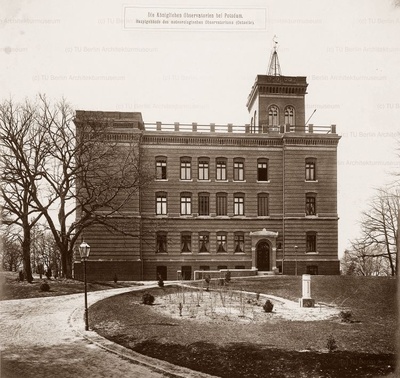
(274, 66)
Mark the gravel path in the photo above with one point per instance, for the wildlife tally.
(45, 337)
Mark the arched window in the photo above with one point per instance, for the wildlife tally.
(273, 115)
(311, 242)
(311, 204)
(161, 168)
(262, 204)
(262, 169)
(186, 168)
(186, 203)
(239, 241)
(289, 116)
(311, 169)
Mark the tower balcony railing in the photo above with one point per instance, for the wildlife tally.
(240, 129)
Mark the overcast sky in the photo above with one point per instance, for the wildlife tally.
(99, 57)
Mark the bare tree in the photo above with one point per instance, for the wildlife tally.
(73, 178)
(380, 224)
(23, 149)
(365, 260)
(11, 250)
(89, 179)
(45, 255)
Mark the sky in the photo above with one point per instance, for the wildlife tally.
(172, 69)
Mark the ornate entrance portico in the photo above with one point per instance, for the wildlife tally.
(263, 250)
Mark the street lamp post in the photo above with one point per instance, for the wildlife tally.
(295, 259)
(84, 250)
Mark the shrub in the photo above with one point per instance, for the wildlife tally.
(160, 281)
(44, 287)
(207, 280)
(228, 276)
(115, 278)
(268, 306)
(331, 344)
(148, 299)
(345, 316)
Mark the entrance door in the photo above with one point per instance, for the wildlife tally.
(263, 256)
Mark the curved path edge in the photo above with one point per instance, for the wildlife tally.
(76, 322)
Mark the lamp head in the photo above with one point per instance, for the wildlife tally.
(84, 250)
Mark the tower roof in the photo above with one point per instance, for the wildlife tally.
(274, 66)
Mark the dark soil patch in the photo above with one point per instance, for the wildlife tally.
(249, 360)
(366, 347)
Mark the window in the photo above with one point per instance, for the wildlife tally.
(262, 170)
(161, 168)
(222, 204)
(311, 169)
(204, 204)
(238, 205)
(161, 242)
(204, 169)
(221, 169)
(240, 267)
(289, 116)
(311, 204)
(204, 267)
(204, 242)
(238, 170)
(220, 267)
(262, 202)
(161, 203)
(239, 242)
(186, 242)
(311, 241)
(273, 116)
(186, 203)
(221, 242)
(186, 169)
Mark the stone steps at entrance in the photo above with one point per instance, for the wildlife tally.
(266, 273)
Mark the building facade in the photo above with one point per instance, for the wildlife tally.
(259, 197)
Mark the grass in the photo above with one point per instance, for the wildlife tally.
(11, 288)
(278, 348)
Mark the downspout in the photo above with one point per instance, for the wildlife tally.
(140, 210)
(283, 201)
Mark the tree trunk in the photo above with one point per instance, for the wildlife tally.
(26, 254)
(66, 263)
(69, 263)
(398, 242)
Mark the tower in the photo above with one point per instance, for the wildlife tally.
(276, 102)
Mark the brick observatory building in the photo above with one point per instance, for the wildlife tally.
(256, 198)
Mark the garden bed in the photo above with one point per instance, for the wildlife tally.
(265, 345)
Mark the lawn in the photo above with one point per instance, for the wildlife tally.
(12, 288)
(272, 348)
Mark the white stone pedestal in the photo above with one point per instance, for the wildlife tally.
(306, 300)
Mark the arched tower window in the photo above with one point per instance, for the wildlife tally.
(289, 116)
(273, 115)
